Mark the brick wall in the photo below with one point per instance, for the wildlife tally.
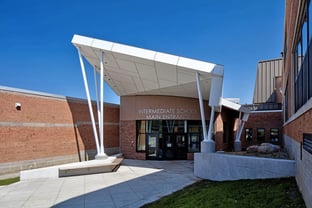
(297, 127)
(49, 127)
(128, 136)
(266, 120)
(227, 117)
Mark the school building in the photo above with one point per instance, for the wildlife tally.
(170, 107)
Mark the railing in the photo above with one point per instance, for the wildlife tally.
(264, 106)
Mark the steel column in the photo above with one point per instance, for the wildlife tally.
(211, 123)
(89, 101)
(201, 105)
(97, 95)
(102, 105)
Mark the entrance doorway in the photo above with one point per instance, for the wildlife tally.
(166, 147)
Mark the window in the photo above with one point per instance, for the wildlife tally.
(248, 134)
(307, 142)
(153, 126)
(302, 62)
(195, 135)
(260, 134)
(194, 142)
(180, 126)
(286, 113)
(310, 19)
(140, 141)
(274, 135)
(184, 131)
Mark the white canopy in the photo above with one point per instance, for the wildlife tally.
(135, 71)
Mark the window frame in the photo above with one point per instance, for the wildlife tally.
(249, 135)
(260, 140)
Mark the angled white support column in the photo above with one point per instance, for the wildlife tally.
(239, 129)
(97, 94)
(242, 121)
(201, 106)
(208, 145)
(89, 101)
(101, 154)
(211, 122)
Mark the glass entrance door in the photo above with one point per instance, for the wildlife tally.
(169, 147)
(152, 146)
(181, 147)
(175, 147)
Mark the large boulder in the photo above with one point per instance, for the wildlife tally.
(268, 148)
(253, 148)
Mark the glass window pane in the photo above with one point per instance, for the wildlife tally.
(140, 125)
(141, 142)
(153, 126)
(179, 126)
(260, 134)
(304, 33)
(194, 143)
(274, 135)
(248, 134)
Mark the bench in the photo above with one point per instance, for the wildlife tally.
(90, 168)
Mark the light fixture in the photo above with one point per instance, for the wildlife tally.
(18, 106)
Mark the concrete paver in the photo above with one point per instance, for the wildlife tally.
(136, 183)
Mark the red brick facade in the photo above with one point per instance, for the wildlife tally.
(48, 126)
(131, 105)
(297, 127)
(225, 129)
(298, 122)
(266, 120)
(128, 140)
(297, 86)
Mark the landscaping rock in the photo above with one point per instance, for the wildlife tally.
(264, 148)
(268, 148)
(253, 148)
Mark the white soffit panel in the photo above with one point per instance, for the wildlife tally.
(136, 71)
(195, 64)
(166, 72)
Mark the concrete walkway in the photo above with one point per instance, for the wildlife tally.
(136, 183)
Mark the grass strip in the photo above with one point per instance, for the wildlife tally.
(235, 194)
(9, 181)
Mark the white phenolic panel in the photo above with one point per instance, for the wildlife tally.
(165, 83)
(126, 65)
(109, 60)
(130, 53)
(166, 71)
(79, 40)
(185, 76)
(121, 77)
(138, 83)
(102, 45)
(195, 64)
(166, 58)
(131, 70)
(148, 85)
(147, 72)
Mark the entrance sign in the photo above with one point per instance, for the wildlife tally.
(167, 113)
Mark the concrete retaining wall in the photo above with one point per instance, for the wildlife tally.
(303, 168)
(11, 169)
(222, 167)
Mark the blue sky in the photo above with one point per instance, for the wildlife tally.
(36, 51)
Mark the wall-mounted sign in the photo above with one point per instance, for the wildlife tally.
(167, 113)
